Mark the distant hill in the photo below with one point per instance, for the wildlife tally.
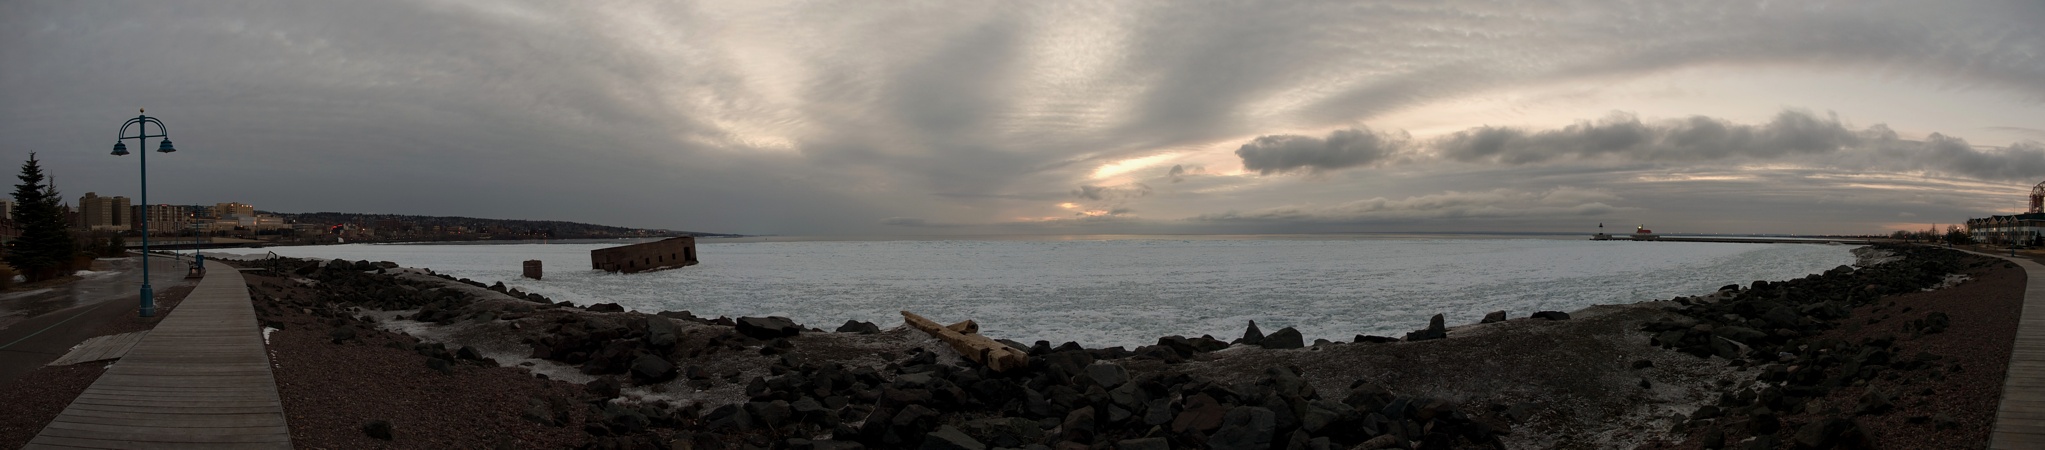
(399, 226)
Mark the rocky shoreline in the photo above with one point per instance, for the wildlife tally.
(1757, 366)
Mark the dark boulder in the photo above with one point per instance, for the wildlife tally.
(440, 365)
(1873, 402)
(1245, 428)
(622, 420)
(1436, 329)
(661, 333)
(1551, 315)
(1106, 374)
(1744, 335)
(854, 326)
(603, 387)
(1494, 317)
(379, 429)
(341, 334)
(1143, 444)
(1201, 413)
(1252, 335)
(770, 414)
(950, 438)
(538, 412)
(1831, 433)
(605, 307)
(468, 353)
(768, 327)
(652, 369)
(1011, 432)
(1283, 339)
(1078, 425)
(1782, 317)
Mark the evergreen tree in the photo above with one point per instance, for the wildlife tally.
(45, 249)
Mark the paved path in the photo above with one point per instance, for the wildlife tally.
(64, 315)
(201, 379)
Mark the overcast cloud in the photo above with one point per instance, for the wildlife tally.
(1051, 117)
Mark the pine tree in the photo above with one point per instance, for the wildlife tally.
(45, 249)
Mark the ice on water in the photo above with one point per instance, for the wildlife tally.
(1129, 292)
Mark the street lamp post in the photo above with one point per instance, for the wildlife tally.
(141, 124)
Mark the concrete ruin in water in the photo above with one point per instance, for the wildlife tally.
(662, 254)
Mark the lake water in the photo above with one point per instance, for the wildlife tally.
(1130, 291)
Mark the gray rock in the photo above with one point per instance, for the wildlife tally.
(661, 333)
(807, 405)
(772, 414)
(1322, 413)
(1158, 412)
(1494, 316)
(767, 327)
(1004, 431)
(1143, 444)
(604, 387)
(1742, 334)
(1830, 433)
(1106, 374)
(1782, 317)
(1079, 425)
(1251, 336)
(1283, 339)
(1245, 428)
(1201, 413)
(854, 326)
(649, 368)
(950, 438)
(1714, 439)
(621, 419)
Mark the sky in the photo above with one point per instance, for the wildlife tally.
(1124, 117)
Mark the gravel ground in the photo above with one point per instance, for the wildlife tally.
(1984, 311)
(33, 400)
(1975, 352)
(1574, 378)
(331, 390)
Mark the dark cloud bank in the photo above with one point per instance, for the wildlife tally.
(1792, 136)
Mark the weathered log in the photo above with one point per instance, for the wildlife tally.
(966, 327)
(980, 349)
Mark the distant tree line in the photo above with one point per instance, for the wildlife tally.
(419, 226)
(1953, 235)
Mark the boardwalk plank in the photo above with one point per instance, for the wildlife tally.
(2020, 416)
(201, 379)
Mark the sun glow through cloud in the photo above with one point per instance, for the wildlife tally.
(1112, 169)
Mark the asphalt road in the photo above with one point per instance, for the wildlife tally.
(40, 326)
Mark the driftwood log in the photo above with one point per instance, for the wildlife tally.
(965, 338)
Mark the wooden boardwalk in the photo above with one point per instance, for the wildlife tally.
(2020, 419)
(112, 346)
(200, 380)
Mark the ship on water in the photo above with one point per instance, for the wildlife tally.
(1640, 233)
